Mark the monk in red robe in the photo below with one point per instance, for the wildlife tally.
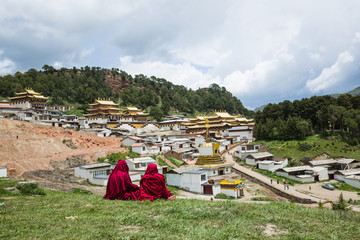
(152, 185)
(119, 184)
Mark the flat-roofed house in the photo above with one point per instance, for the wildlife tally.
(304, 173)
(333, 165)
(140, 165)
(342, 174)
(254, 158)
(244, 150)
(272, 165)
(130, 140)
(353, 180)
(98, 173)
(140, 148)
(189, 178)
(183, 154)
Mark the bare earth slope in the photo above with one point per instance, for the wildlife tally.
(30, 147)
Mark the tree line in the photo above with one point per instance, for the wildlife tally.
(296, 120)
(157, 95)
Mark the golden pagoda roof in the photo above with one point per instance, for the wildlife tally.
(211, 125)
(223, 114)
(103, 108)
(29, 93)
(132, 109)
(103, 101)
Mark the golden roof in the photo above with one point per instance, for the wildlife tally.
(231, 182)
(103, 101)
(132, 109)
(29, 93)
(223, 114)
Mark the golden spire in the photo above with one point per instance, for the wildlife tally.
(207, 135)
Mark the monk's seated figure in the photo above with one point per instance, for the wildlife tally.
(119, 185)
(152, 185)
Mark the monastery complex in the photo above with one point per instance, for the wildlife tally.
(197, 143)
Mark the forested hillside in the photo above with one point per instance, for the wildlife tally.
(296, 120)
(83, 85)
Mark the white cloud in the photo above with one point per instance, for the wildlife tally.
(182, 74)
(330, 76)
(58, 65)
(7, 66)
(261, 51)
(251, 81)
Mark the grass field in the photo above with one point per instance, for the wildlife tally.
(174, 161)
(44, 217)
(319, 145)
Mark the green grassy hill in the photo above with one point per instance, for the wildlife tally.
(354, 92)
(44, 217)
(316, 144)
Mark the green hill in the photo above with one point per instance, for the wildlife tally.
(45, 217)
(84, 85)
(354, 92)
(299, 152)
(261, 108)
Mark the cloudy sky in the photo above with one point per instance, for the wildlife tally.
(261, 51)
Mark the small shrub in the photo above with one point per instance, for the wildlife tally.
(81, 191)
(222, 196)
(341, 204)
(305, 160)
(304, 147)
(261, 199)
(30, 189)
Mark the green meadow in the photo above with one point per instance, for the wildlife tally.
(91, 217)
(298, 151)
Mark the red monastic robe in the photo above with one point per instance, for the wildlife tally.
(119, 185)
(152, 185)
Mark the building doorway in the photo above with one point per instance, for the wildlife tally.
(221, 171)
(208, 189)
(316, 178)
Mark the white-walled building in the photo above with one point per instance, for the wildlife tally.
(140, 148)
(254, 158)
(96, 173)
(3, 172)
(189, 178)
(342, 174)
(304, 173)
(130, 140)
(271, 165)
(244, 133)
(140, 165)
(244, 150)
(353, 180)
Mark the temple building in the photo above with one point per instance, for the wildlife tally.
(103, 109)
(133, 114)
(29, 99)
(219, 121)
